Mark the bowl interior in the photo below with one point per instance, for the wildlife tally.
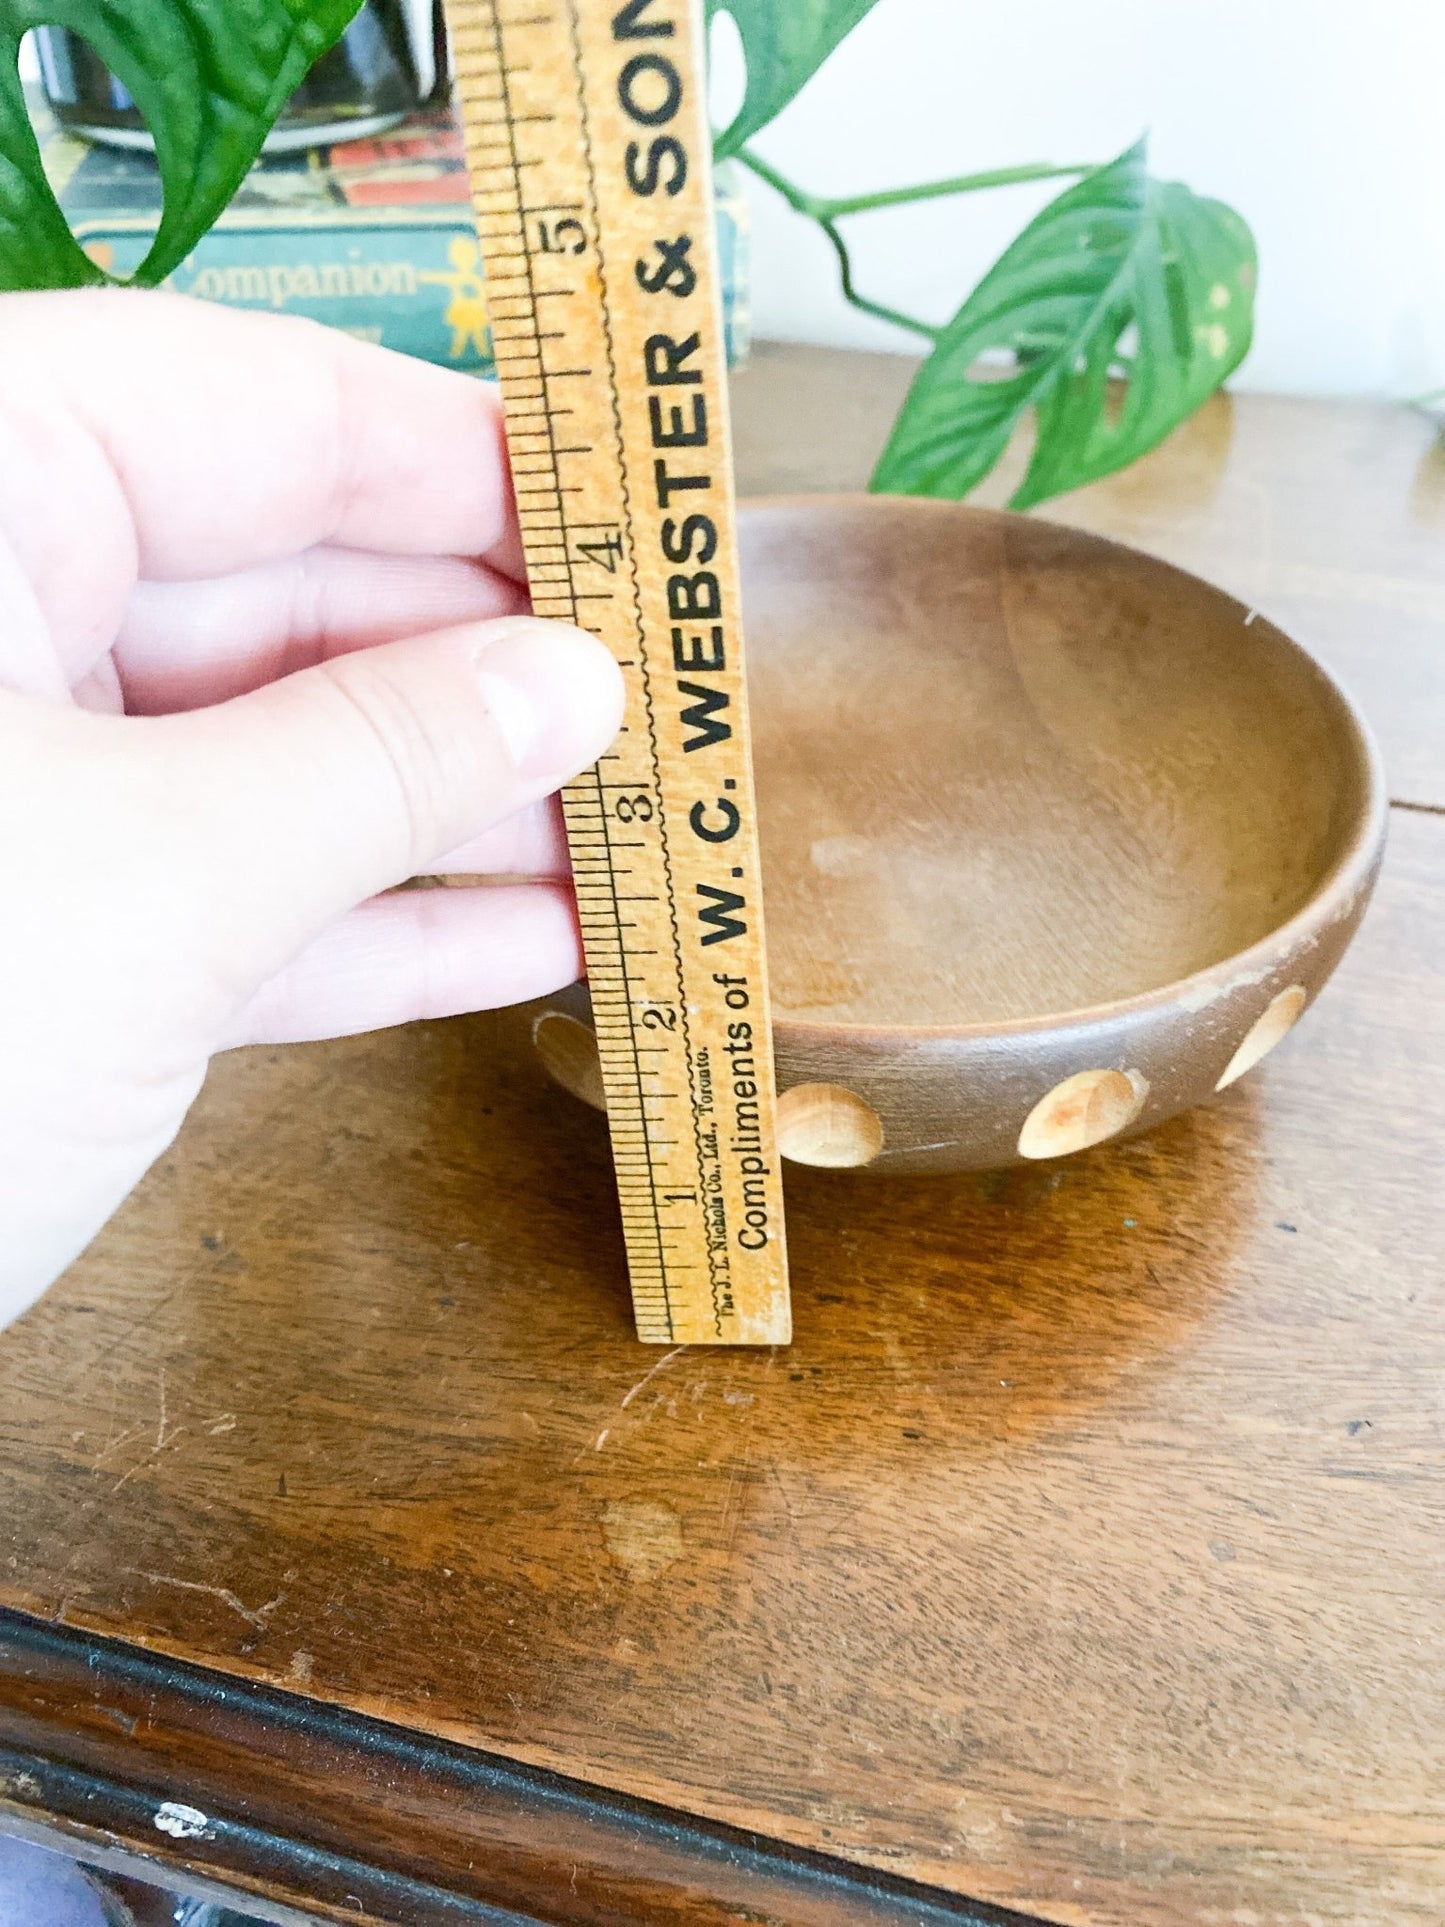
(1006, 770)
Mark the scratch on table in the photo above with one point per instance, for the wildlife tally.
(647, 1377)
(164, 1437)
(112, 1446)
(596, 1445)
(733, 1513)
(254, 1616)
(777, 1479)
(140, 1464)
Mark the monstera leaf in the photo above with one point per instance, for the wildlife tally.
(209, 76)
(1113, 316)
(785, 42)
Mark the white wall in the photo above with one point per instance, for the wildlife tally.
(1322, 121)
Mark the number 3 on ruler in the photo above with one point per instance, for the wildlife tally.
(588, 143)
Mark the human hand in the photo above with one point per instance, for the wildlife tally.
(262, 657)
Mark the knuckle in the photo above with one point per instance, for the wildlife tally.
(414, 745)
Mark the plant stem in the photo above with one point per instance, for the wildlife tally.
(936, 190)
(796, 199)
(802, 203)
(861, 301)
(828, 213)
(818, 208)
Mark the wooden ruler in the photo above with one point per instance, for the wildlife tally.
(588, 145)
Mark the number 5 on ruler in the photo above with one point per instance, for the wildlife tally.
(589, 150)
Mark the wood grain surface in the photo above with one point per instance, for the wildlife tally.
(1085, 1554)
(1010, 771)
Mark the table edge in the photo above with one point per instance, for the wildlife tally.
(98, 1736)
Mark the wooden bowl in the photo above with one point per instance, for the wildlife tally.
(1058, 840)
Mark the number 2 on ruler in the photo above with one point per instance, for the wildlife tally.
(589, 153)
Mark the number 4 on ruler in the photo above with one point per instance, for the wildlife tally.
(606, 554)
(589, 151)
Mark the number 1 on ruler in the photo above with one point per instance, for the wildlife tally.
(589, 152)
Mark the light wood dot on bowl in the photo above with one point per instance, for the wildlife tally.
(1278, 1018)
(827, 1124)
(568, 1050)
(1085, 1109)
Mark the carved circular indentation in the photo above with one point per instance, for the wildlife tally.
(1085, 1109)
(568, 1050)
(827, 1124)
(1278, 1018)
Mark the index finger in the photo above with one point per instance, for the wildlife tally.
(230, 438)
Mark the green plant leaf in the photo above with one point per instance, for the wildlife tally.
(209, 76)
(1120, 308)
(785, 42)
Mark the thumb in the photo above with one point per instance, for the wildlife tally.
(316, 792)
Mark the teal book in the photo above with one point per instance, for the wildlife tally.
(372, 236)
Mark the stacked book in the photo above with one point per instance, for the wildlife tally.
(374, 236)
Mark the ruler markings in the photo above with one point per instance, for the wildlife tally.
(644, 675)
(617, 1124)
(659, 1005)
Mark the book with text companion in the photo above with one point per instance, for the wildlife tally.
(372, 236)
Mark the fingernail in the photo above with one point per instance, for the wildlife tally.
(554, 694)
(513, 713)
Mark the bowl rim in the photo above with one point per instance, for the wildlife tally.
(1348, 877)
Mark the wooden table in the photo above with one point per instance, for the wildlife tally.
(1083, 1556)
